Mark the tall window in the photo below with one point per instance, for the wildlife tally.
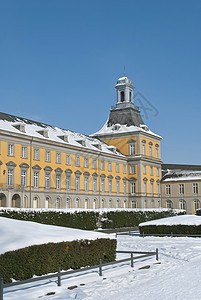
(133, 204)
(36, 179)
(86, 203)
(196, 205)
(48, 155)
(102, 165)
(133, 188)
(37, 154)
(169, 204)
(35, 202)
(158, 188)
(23, 179)
(58, 205)
(132, 169)
(86, 162)
(150, 149)
(151, 170)
(77, 161)
(68, 182)
(68, 159)
(77, 203)
(117, 167)
(167, 189)
(110, 203)
(156, 152)
(102, 203)
(109, 166)
(117, 186)
(58, 157)
(58, 181)
(145, 187)
(132, 149)
(182, 204)
(195, 188)
(181, 188)
(47, 202)
(122, 97)
(102, 185)
(47, 180)
(10, 177)
(94, 163)
(124, 187)
(157, 171)
(11, 149)
(68, 203)
(152, 188)
(124, 168)
(24, 152)
(144, 169)
(86, 183)
(77, 183)
(109, 185)
(143, 149)
(94, 204)
(94, 184)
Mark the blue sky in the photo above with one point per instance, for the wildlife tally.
(60, 60)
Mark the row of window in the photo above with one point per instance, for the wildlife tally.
(133, 150)
(182, 204)
(181, 189)
(151, 170)
(151, 187)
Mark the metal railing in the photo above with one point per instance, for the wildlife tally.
(59, 274)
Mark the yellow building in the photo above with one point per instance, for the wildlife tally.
(45, 166)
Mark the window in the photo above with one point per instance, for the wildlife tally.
(86, 183)
(110, 203)
(86, 203)
(132, 188)
(68, 203)
(157, 172)
(58, 181)
(47, 180)
(58, 157)
(102, 165)
(94, 204)
(24, 152)
(94, 163)
(169, 204)
(86, 162)
(132, 169)
(77, 203)
(94, 184)
(23, 179)
(196, 205)
(47, 202)
(102, 185)
(48, 155)
(102, 203)
(133, 204)
(158, 189)
(124, 203)
(151, 170)
(145, 187)
(144, 169)
(117, 167)
(35, 179)
(68, 159)
(77, 161)
(152, 188)
(124, 187)
(156, 152)
(35, 202)
(58, 203)
(122, 97)
(181, 189)
(182, 204)
(124, 168)
(77, 183)
(117, 186)
(109, 166)
(195, 188)
(132, 149)
(36, 154)
(11, 150)
(68, 182)
(10, 177)
(110, 185)
(143, 149)
(150, 149)
(167, 189)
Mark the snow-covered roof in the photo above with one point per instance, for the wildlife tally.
(117, 128)
(176, 220)
(43, 131)
(181, 175)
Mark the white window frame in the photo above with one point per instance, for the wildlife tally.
(195, 188)
(168, 189)
(102, 165)
(181, 188)
(36, 154)
(124, 168)
(77, 161)
(77, 183)
(94, 163)
(132, 169)
(47, 155)
(11, 149)
(117, 186)
(86, 183)
(110, 185)
(102, 185)
(68, 182)
(47, 180)
(182, 204)
(109, 166)
(151, 170)
(68, 159)
(58, 157)
(143, 149)
(133, 188)
(23, 177)
(133, 204)
(86, 162)
(144, 169)
(58, 181)
(117, 167)
(132, 149)
(10, 177)
(36, 179)
(152, 188)
(196, 205)
(24, 151)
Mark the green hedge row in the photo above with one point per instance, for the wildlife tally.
(43, 259)
(88, 220)
(175, 229)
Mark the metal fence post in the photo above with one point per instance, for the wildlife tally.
(100, 267)
(156, 253)
(59, 276)
(143, 234)
(132, 264)
(1, 288)
(171, 234)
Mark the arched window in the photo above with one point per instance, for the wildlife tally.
(110, 203)
(196, 205)
(86, 203)
(124, 203)
(118, 203)
(133, 204)
(47, 202)
(77, 203)
(182, 204)
(58, 203)
(102, 203)
(35, 202)
(169, 204)
(94, 204)
(68, 203)
(122, 97)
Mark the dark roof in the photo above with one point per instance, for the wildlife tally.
(125, 116)
(181, 167)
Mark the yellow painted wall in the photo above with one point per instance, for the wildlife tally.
(121, 144)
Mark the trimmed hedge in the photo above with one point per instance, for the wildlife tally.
(175, 229)
(46, 258)
(88, 220)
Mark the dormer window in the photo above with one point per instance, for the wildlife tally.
(98, 146)
(44, 133)
(20, 127)
(64, 138)
(82, 142)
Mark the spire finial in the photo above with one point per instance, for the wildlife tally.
(124, 71)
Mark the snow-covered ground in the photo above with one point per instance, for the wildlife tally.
(15, 234)
(177, 277)
(176, 220)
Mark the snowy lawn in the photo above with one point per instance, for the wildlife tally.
(177, 277)
(175, 220)
(15, 234)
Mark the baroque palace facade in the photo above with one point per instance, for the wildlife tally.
(42, 166)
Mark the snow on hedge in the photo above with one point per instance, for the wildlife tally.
(15, 234)
(176, 220)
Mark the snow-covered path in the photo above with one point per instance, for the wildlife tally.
(177, 277)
